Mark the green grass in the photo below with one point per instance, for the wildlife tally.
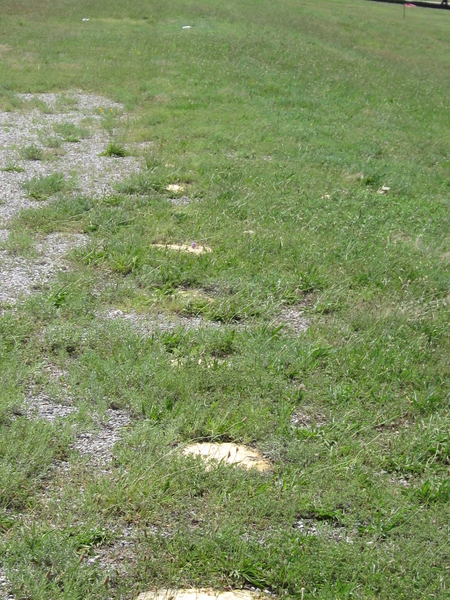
(70, 132)
(32, 152)
(284, 119)
(115, 150)
(11, 168)
(44, 186)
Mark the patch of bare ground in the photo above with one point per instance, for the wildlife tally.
(183, 201)
(293, 319)
(307, 418)
(323, 528)
(98, 444)
(151, 323)
(117, 558)
(42, 407)
(19, 276)
(95, 174)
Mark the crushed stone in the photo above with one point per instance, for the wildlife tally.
(5, 593)
(98, 444)
(183, 201)
(19, 276)
(42, 407)
(95, 174)
(115, 558)
(228, 453)
(159, 322)
(293, 318)
(313, 527)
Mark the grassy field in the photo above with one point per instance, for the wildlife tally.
(285, 119)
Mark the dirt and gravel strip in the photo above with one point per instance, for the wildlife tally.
(151, 323)
(20, 276)
(94, 175)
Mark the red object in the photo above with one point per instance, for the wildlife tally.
(410, 5)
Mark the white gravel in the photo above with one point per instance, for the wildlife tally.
(148, 324)
(5, 593)
(43, 407)
(19, 276)
(95, 175)
(98, 444)
(293, 318)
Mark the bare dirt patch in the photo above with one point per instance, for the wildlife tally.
(95, 175)
(5, 593)
(42, 407)
(306, 418)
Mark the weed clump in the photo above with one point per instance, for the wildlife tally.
(32, 152)
(13, 169)
(115, 150)
(71, 132)
(42, 187)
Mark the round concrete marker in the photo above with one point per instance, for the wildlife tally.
(231, 454)
(201, 594)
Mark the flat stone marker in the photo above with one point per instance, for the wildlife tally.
(232, 454)
(201, 594)
(193, 248)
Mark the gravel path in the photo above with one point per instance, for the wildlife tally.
(79, 162)
(95, 175)
(20, 276)
(148, 324)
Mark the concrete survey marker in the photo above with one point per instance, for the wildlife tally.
(231, 454)
(175, 187)
(198, 594)
(190, 248)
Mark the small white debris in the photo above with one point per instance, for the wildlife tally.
(231, 454)
(184, 248)
(383, 189)
(85, 19)
(186, 27)
(326, 197)
(249, 232)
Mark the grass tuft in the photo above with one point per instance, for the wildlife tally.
(32, 152)
(71, 132)
(42, 187)
(13, 169)
(116, 150)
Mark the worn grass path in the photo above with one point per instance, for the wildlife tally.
(306, 145)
